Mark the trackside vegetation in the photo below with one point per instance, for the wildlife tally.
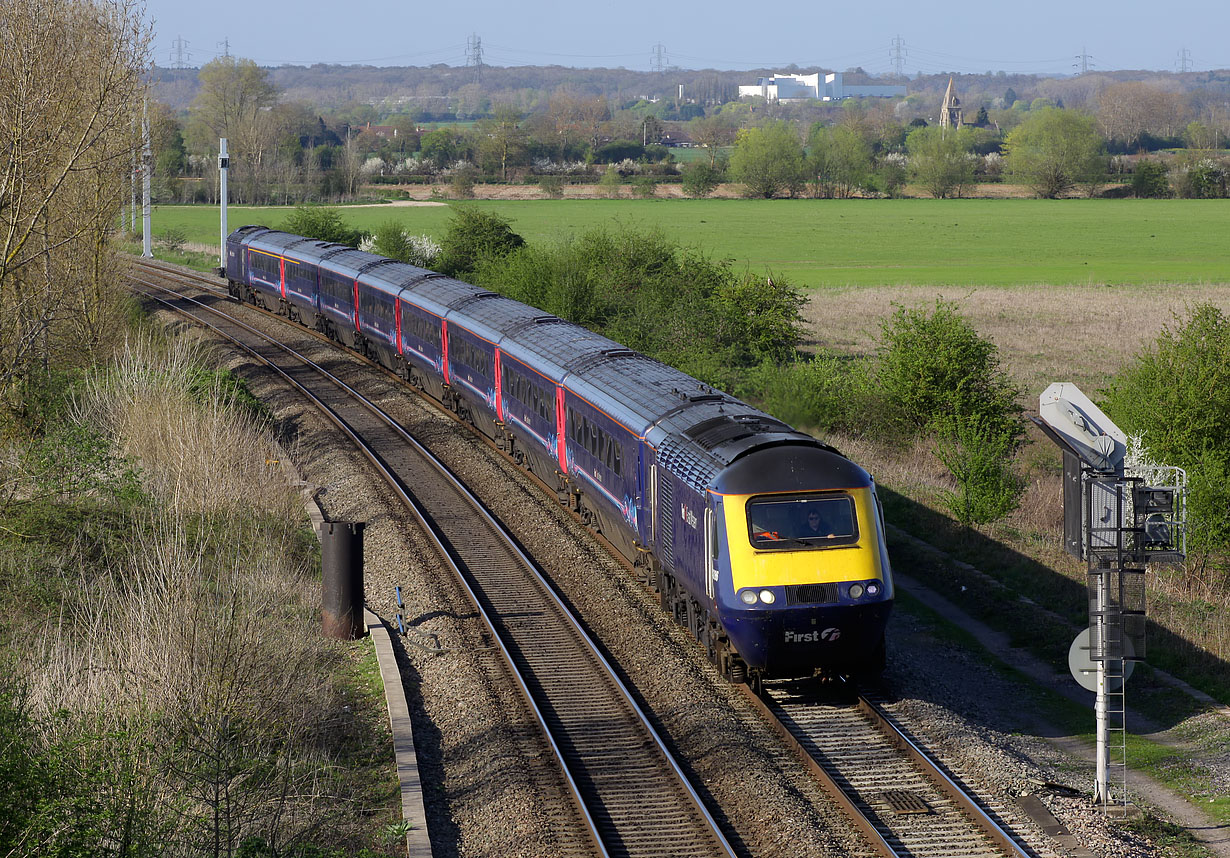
(1176, 396)
(165, 689)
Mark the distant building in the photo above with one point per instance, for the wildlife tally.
(383, 131)
(797, 87)
(950, 110)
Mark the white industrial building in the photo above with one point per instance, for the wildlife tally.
(789, 87)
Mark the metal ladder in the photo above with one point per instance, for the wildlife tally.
(1116, 715)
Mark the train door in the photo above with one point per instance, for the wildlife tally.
(710, 552)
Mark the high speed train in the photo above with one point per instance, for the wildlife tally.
(766, 543)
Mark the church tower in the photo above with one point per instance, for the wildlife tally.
(950, 111)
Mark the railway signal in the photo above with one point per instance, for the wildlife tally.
(224, 163)
(1120, 514)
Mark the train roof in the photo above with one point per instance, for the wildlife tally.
(439, 293)
(245, 231)
(703, 435)
(392, 277)
(790, 467)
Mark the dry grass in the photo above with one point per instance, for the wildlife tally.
(198, 453)
(1082, 334)
(190, 663)
(188, 625)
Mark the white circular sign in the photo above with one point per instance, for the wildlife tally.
(1085, 669)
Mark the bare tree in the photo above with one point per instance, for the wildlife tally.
(234, 102)
(503, 141)
(1128, 111)
(72, 73)
(712, 132)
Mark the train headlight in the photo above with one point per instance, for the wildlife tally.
(873, 589)
(767, 597)
(856, 591)
(748, 597)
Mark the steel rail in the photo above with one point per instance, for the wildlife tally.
(940, 777)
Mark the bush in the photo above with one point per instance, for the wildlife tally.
(323, 224)
(827, 391)
(934, 367)
(172, 240)
(669, 302)
(552, 186)
(1176, 395)
(610, 182)
(392, 240)
(978, 454)
(472, 236)
(1203, 179)
(644, 187)
(462, 183)
(1149, 180)
(936, 373)
(618, 150)
(700, 179)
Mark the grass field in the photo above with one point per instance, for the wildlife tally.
(819, 243)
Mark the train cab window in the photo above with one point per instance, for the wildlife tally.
(809, 521)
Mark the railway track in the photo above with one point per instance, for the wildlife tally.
(894, 793)
(902, 799)
(631, 794)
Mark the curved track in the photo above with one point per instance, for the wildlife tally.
(633, 795)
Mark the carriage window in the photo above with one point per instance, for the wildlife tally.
(802, 521)
(267, 266)
(425, 329)
(464, 352)
(336, 287)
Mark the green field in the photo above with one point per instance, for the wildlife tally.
(816, 243)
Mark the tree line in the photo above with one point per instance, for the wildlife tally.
(285, 150)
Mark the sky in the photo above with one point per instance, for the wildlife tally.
(1042, 37)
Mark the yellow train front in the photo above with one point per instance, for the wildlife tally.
(803, 578)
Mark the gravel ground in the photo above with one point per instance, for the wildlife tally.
(492, 790)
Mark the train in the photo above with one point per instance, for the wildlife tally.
(764, 542)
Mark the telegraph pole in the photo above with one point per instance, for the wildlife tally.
(147, 161)
(224, 164)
